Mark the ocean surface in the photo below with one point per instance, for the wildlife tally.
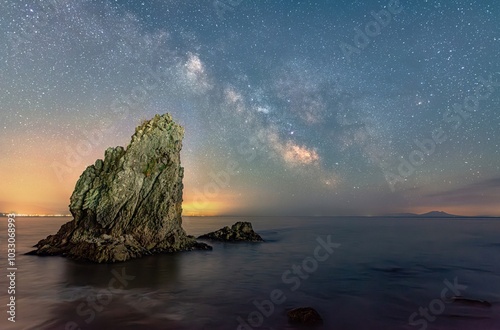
(358, 273)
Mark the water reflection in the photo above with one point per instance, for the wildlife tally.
(157, 271)
(125, 294)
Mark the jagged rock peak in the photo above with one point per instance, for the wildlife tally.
(161, 123)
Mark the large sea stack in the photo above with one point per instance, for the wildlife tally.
(129, 204)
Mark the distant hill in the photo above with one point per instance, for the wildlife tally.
(432, 214)
(439, 214)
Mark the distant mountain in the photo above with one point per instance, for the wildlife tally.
(432, 214)
(439, 214)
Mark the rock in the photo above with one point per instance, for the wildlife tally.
(304, 315)
(471, 302)
(240, 231)
(129, 204)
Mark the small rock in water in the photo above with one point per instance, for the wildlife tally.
(471, 302)
(239, 232)
(304, 315)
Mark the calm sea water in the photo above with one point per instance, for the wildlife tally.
(383, 271)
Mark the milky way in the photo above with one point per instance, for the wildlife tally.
(290, 107)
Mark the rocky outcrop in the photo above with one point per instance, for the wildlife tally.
(304, 315)
(240, 231)
(129, 204)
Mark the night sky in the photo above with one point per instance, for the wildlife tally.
(290, 107)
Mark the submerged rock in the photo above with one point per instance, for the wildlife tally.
(129, 204)
(240, 231)
(471, 302)
(304, 315)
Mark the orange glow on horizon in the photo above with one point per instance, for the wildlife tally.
(465, 210)
(31, 185)
(206, 209)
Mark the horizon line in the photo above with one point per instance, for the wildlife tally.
(405, 214)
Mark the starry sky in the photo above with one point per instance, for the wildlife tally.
(290, 107)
